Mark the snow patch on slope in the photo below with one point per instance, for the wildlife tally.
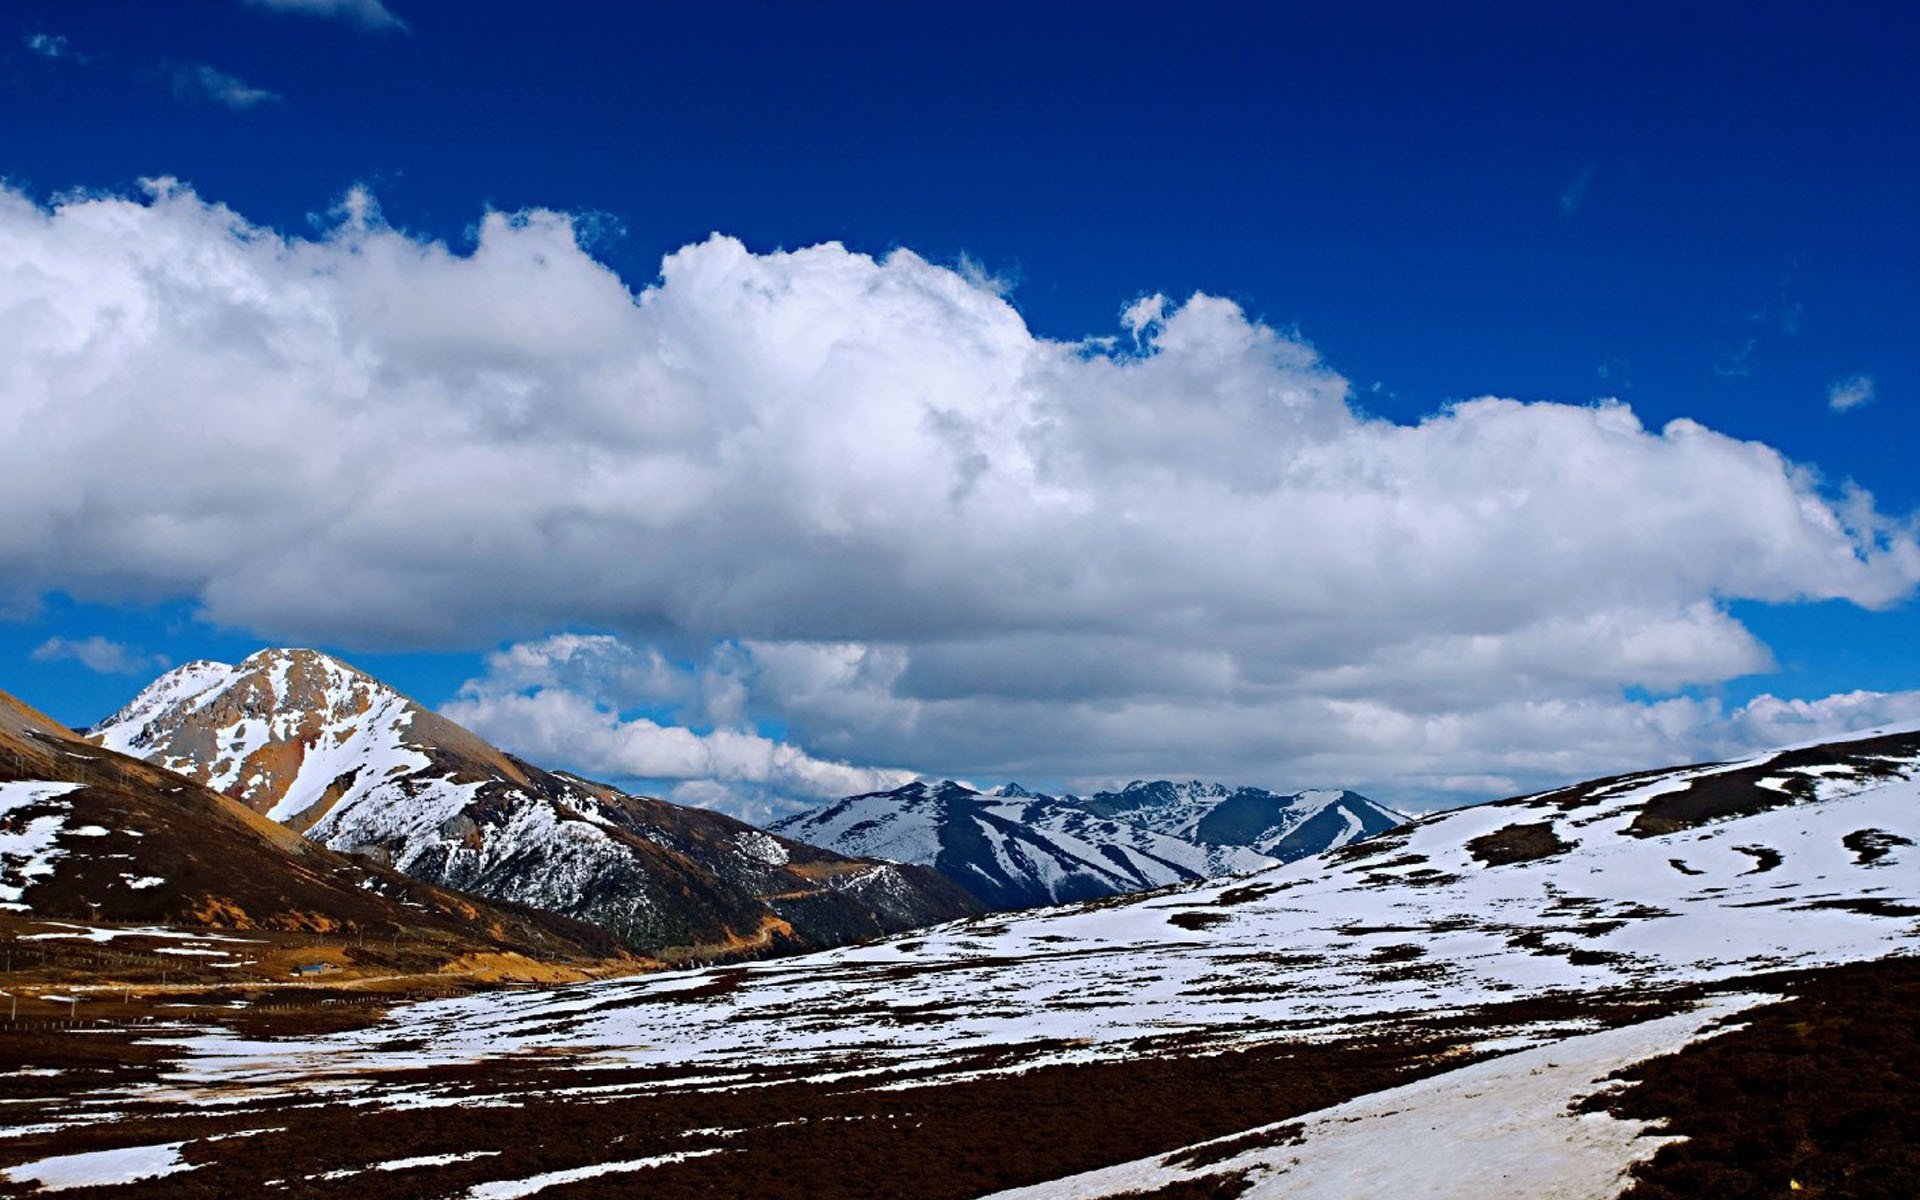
(370, 748)
(1504, 1127)
(28, 844)
(127, 732)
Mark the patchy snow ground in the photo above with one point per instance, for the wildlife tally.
(1410, 926)
(29, 843)
(1503, 1127)
(1563, 895)
(105, 933)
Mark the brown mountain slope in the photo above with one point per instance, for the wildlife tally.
(91, 835)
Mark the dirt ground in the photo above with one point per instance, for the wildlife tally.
(1818, 1090)
(1816, 1097)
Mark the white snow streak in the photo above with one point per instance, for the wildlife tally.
(512, 1189)
(1504, 1127)
(27, 845)
(98, 1168)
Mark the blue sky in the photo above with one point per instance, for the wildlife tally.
(1704, 211)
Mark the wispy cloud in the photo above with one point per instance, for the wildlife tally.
(199, 82)
(1736, 363)
(55, 46)
(1791, 312)
(368, 14)
(1616, 373)
(1845, 395)
(1783, 312)
(99, 655)
(1574, 194)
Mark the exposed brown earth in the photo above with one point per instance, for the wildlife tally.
(1738, 793)
(791, 1138)
(1516, 844)
(1817, 1096)
(780, 1133)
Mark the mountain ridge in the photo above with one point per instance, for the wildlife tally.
(1014, 848)
(326, 749)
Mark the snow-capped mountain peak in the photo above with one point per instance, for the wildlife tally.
(177, 687)
(318, 745)
(292, 734)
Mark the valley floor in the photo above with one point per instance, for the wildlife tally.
(1471, 1104)
(1436, 1013)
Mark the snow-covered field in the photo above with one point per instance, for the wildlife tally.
(1413, 924)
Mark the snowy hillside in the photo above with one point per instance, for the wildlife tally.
(90, 835)
(1787, 859)
(1451, 989)
(32, 819)
(309, 741)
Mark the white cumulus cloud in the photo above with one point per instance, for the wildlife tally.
(560, 699)
(919, 534)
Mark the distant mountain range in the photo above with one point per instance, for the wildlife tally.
(1012, 848)
(1282, 826)
(322, 748)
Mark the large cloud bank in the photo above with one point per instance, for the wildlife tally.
(896, 521)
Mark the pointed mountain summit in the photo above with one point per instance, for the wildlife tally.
(323, 748)
(87, 834)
